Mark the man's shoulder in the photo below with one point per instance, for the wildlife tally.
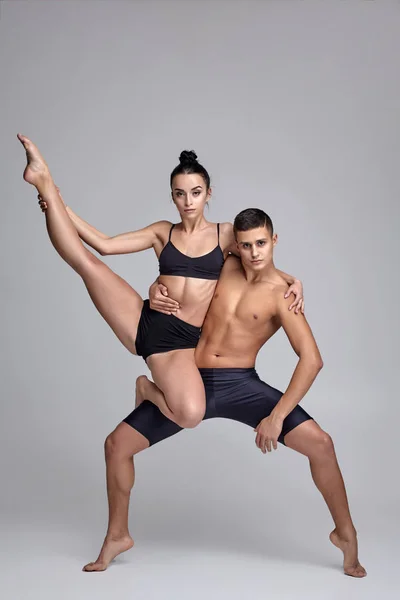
(272, 292)
(276, 285)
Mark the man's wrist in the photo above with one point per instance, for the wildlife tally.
(278, 413)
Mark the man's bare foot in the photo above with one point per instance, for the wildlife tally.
(141, 383)
(349, 547)
(110, 549)
(36, 170)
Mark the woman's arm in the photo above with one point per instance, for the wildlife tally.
(93, 237)
(124, 243)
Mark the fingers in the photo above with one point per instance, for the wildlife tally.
(262, 440)
(298, 307)
(296, 304)
(163, 289)
(266, 443)
(42, 204)
(162, 307)
(163, 299)
(165, 303)
(295, 301)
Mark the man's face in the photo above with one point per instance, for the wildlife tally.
(255, 247)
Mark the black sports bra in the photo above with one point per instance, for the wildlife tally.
(173, 262)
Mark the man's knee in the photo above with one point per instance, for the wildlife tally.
(323, 444)
(112, 446)
(117, 446)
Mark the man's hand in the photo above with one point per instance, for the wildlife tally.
(268, 431)
(159, 300)
(298, 303)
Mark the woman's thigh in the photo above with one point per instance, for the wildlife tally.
(175, 373)
(117, 302)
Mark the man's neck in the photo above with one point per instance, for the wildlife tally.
(268, 273)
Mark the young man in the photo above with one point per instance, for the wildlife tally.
(247, 309)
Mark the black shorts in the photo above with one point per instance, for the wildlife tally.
(158, 333)
(237, 394)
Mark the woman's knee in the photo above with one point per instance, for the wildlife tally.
(190, 414)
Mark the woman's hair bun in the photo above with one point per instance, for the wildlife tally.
(187, 156)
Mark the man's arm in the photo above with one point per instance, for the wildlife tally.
(310, 361)
(308, 367)
(159, 299)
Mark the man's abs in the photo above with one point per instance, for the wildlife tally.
(222, 350)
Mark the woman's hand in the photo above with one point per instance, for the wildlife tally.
(297, 290)
(159, 300)
(43, 204)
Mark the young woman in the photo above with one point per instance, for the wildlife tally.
(190, 253)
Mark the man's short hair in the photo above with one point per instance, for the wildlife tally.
(252, 218)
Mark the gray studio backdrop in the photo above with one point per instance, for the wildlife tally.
(293, 107)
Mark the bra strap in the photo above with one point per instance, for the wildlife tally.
(170, 231)
(218, 232)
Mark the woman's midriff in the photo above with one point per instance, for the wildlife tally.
(194, 295)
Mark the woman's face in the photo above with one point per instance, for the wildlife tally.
(190, 194)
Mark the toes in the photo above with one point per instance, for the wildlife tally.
(358, 571)
(94, 567)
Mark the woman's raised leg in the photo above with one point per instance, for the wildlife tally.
(114, 298)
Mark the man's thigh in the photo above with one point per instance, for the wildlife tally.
(150, 422)
(250, 400)
(125, 441)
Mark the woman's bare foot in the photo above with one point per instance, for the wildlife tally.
(110, 549)
(349, 547)
(36, 170)
(141, 383)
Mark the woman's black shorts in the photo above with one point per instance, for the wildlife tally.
(158, 333)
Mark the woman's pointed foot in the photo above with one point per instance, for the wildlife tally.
(36, 170)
